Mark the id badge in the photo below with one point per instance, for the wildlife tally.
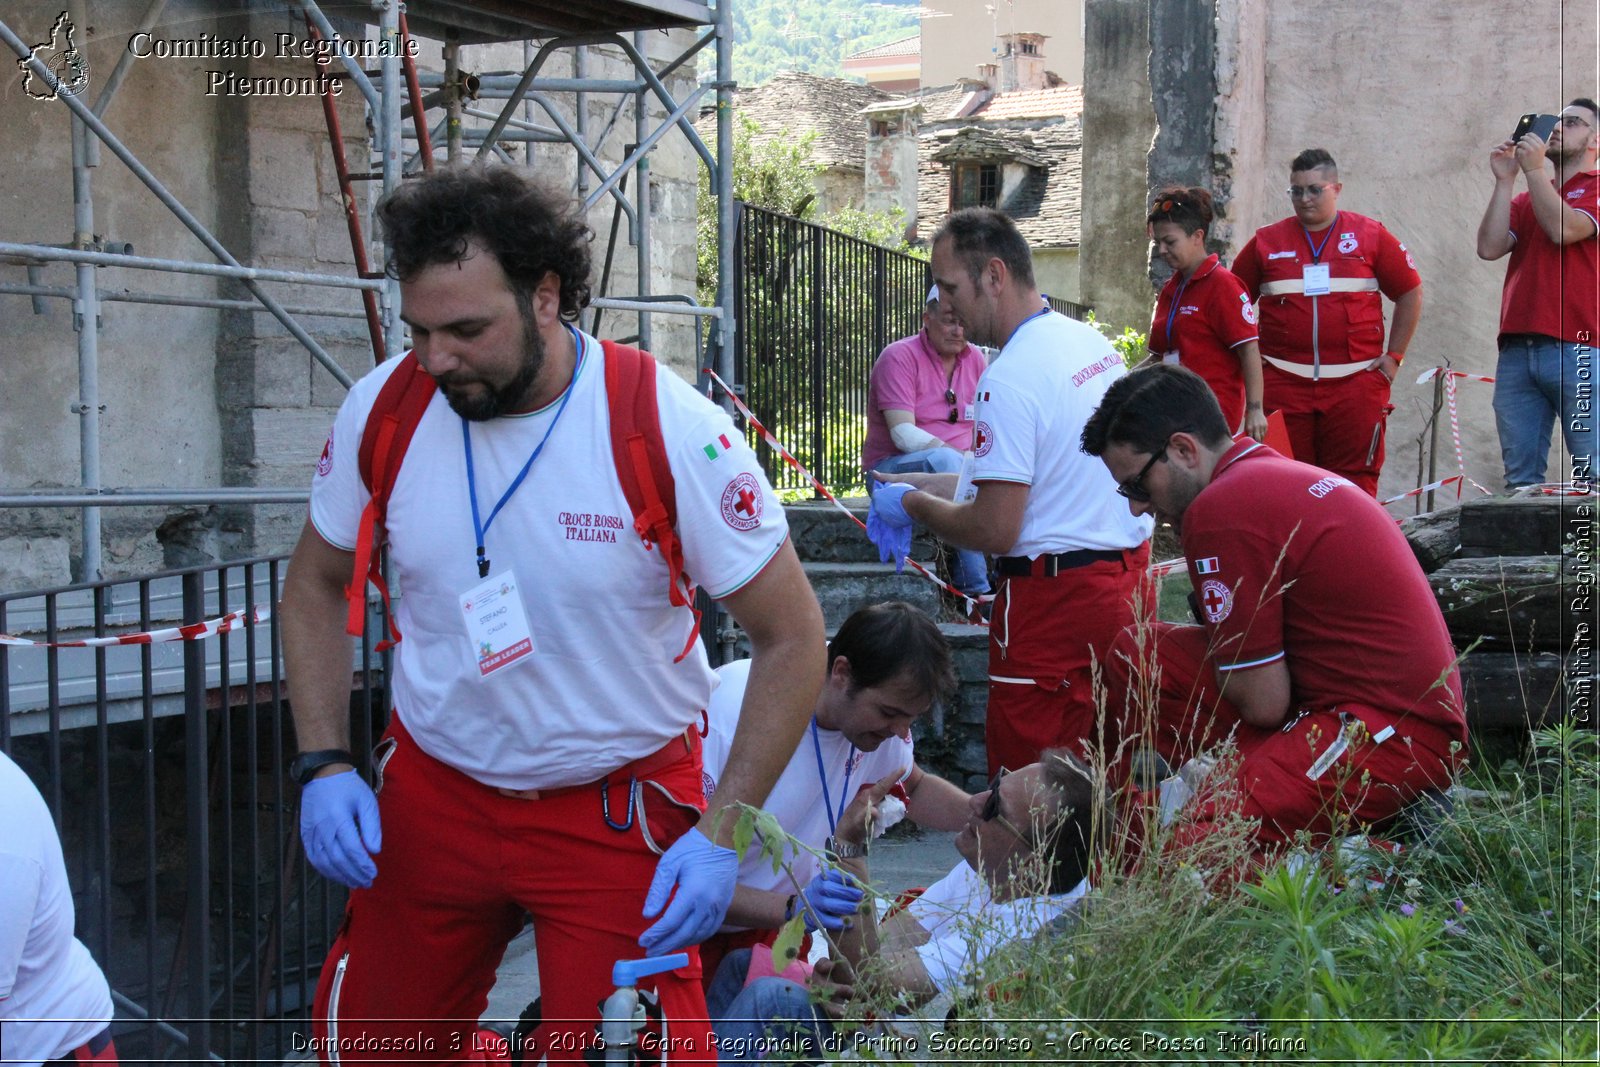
(1170, 357)
(972, 413)
(965, 490)
(1316, 279)
(497, 624)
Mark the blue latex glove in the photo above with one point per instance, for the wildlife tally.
(889, 526)
(339, 826)
(829, 899)
(704, 873)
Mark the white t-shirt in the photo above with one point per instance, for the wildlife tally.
(600, 688)
(1033, 402)
(46, 974)
(965, 925)
(797, 797)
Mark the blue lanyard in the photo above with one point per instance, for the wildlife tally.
(1042, 311)
(822, 773)
(1316, 250)
(1172, 312)
(479, 527)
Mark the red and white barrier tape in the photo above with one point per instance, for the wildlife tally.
(1166, 567)
(196, 631)
(1433, 372)
(1430, 487)
(788, 457)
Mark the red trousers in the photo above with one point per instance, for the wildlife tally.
(1165, 692)
(98, 1049)
(1045, 636)
(1336, 424)
(409, 975)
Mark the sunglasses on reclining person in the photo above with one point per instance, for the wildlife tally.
(991, 808)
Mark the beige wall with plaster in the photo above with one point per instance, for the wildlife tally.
(1409, 100)
(949, 37)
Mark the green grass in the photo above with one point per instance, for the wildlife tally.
(1478, 947)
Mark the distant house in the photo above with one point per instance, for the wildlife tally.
(1010, 139)
(895, 67)
(793, 104)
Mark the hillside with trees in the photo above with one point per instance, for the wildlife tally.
(811, 35)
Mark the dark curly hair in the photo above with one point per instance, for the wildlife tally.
(1190, 208)
(531, 228)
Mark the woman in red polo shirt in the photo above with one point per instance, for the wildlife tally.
(1204, 318)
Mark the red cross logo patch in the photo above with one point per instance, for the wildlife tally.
(982, 439)
(742, 503)
(1216, 600)
(325, 464)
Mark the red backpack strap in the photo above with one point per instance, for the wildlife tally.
(393, 419)
(640, 454)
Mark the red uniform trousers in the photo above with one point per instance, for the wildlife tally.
(1368, 783)
(98, 1049)
(1045, 636)
(409, 975)
(1336, 424)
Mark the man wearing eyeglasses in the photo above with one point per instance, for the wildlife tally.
(1317, 277)
(1323, 651)
(1550, 309)
(919, 413)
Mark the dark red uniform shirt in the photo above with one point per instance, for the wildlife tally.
(1214, 316)
(1291, 562)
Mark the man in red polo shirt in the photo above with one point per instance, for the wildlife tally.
(1323, 649)
(1550, 310)
(1317, 276)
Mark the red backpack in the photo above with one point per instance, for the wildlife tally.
(637, 448)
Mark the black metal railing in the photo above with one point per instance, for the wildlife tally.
(163, 765)
(814, 309)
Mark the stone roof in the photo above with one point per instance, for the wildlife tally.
(793, 104)
(906, 46)
(975, 144)
(1048, 204)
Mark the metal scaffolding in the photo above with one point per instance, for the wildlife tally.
(399, 95)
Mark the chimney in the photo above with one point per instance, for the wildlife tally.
(1022, 62)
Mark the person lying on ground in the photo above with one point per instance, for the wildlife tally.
(1027, 847)
(887, 666)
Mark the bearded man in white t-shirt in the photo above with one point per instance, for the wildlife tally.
(543, 753)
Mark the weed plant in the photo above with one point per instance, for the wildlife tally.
(1477, 946)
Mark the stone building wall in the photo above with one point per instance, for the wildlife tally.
(1409, 99)
(198, 397)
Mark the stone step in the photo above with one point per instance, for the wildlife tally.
(823, 534)
(1528, 523)
(841, 588)
(1511, 691)
(1528, 602)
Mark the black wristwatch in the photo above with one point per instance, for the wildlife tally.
(304, 766)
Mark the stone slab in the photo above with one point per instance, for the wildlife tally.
(1532, 602)
(1527, 524)
(841, 588)
(1507, 691)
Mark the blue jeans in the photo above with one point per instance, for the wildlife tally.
(1537, 380)
(770, 1019)
(969, 571)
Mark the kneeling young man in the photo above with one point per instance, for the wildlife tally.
(887, 666)
(1323, 649)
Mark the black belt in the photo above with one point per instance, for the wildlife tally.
(1051, 564)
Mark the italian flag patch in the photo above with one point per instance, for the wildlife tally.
(718, 447)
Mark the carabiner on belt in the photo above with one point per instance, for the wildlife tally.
(605, 804)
